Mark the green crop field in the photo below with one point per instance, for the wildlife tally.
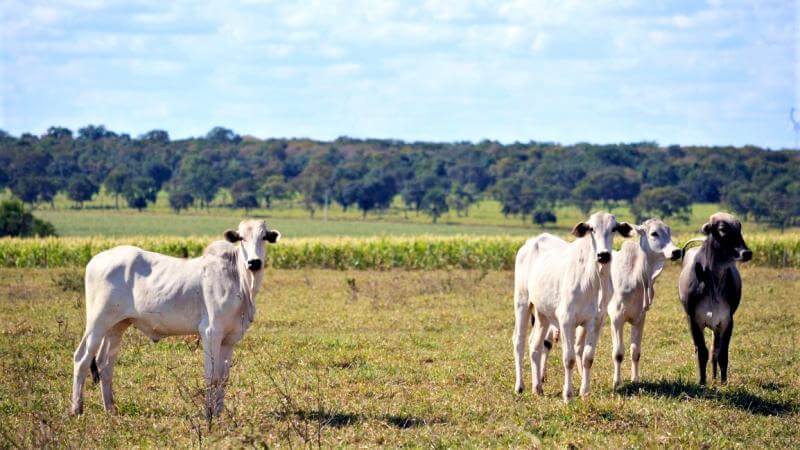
(393, 358)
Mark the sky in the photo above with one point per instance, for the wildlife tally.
(602, 71)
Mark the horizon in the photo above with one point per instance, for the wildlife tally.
(245, 136)
(713, 74)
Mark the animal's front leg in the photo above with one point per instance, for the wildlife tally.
(568, 350)
(591, 335)
(725, 343)
(226, 355)
(212, 341)
(580, 341)
(700, 348)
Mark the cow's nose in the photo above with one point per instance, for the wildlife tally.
(603, 257)
(254, 264)
(676, 254)
(746, 255)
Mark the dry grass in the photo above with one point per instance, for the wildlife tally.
(392, 358)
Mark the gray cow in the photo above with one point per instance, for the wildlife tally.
(710, 289)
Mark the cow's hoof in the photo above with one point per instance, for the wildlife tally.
(539, 390)
(519, 389)
(76, 411)
(567, 396)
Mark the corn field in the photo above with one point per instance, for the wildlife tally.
(418, 253)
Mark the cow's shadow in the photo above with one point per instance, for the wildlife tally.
(736, 397)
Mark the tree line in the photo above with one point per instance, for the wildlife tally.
(528, 179)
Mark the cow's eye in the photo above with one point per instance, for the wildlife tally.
(654, 234)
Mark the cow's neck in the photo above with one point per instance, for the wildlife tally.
(249, 285)
(593, 271)
(713, 259)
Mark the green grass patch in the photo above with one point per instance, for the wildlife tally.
(398, 358)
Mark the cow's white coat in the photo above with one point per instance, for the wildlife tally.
(634, 269)
(212, 296)
(560, 283)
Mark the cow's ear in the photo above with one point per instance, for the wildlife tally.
(272, 236)
(232, 236)
(581, 229)
(624, 229)
(640, 229)
(707, 228)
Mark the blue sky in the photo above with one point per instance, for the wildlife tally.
(693, 72)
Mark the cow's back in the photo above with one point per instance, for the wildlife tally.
(533, 269)
(155, 291)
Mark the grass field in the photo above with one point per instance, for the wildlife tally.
(420, 358)
(485, 219)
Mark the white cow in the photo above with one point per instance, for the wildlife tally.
(213, 296)
(634, 269)
(560, 283)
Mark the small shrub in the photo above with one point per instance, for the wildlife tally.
(16, 220)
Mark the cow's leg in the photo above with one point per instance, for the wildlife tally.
(568, 351)
(700, 348)
(725, 343)
(87, 349)
(618, 344)
(550, 338)
(538, 356)
(226, 358)
(715, 347)
(580, 341)
(591, 335)
(106, 359)
(212, 342)
(522, 321)
(636, 348)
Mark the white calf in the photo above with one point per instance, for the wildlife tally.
(560, 283)
(634, 270)
(213, 296)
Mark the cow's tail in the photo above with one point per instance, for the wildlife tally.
(95, 371)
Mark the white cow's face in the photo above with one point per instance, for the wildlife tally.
(252, 234)
(656, 239)
(600, 228)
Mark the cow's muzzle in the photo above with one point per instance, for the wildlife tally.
(745, 255)
(254, 264)
(676, 254)
(604, 257)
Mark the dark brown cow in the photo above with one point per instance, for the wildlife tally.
(710, 289)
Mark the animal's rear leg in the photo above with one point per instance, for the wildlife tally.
(715, 347)
(550, 338)
(522, 320)
(106, 359)
(87, 349)
(538, 356)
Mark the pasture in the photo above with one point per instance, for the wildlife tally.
(99, 218)
(391, 358)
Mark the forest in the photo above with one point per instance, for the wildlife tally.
(529, 180)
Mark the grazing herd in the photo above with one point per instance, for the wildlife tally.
(563, 290)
